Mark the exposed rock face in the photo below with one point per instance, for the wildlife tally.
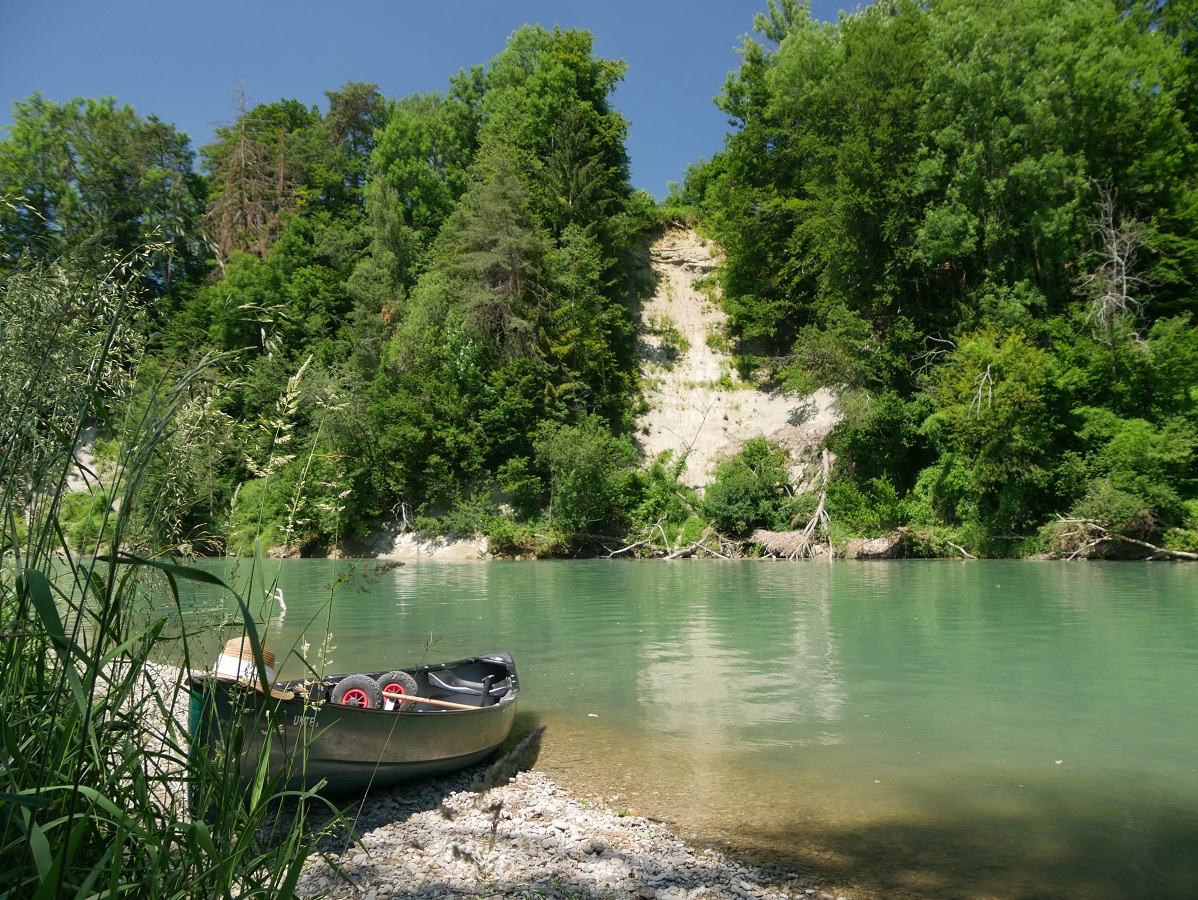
(697, 403)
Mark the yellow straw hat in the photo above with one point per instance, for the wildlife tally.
(236, 662)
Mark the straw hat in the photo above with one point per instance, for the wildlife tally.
(241, 648)
(236, 663)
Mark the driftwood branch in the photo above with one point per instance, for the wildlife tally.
(1091, 534)
(961, 550)
(801, 544)
(664, 539)
(1157, 551)
(647, 542)
(700, 544)
(664, 551)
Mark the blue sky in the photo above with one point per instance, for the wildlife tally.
(182, 61)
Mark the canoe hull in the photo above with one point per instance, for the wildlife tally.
(314, 743)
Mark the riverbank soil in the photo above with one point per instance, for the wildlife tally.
(696, 403)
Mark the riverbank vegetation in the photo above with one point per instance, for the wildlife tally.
(978, 222)
(100, 785)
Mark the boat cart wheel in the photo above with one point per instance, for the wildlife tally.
(359, 691)
(398, 683)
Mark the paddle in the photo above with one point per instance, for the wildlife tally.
(414, 699)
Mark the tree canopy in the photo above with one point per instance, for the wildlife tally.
(975, 220)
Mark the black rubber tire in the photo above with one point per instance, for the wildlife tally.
(402, 683)
(358, 691)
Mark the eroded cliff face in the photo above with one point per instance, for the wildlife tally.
(697, 404)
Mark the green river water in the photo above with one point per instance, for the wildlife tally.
(939, 729)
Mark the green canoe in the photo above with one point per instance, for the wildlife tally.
(347, 734)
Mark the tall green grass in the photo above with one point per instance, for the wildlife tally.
(97, 781)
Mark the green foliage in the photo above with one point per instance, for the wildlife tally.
(525, 489)
(691, 530)
(1139, 471)
(938, 154)
(527, 540)
(673, 342)
(468, 517)
(588, 475)
(449, 271)
(662, 495)
(976, 221)
(507, 538)
(423, 156)
(844, 352)
(73, 334)
(545, 106)
(280, 158)
(98, 771)
(91, 177)
(995, 422)
(880, 437)
(870, 509)
(84, 517)
(751, 490)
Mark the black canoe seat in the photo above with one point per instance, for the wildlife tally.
(490, 692)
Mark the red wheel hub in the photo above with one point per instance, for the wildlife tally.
(357, 698)
(394, 689)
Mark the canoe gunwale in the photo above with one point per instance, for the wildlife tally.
(357, 749)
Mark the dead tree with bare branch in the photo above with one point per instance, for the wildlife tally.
(1112, 286)
(252, 185)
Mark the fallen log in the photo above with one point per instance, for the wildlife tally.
(1091, 535)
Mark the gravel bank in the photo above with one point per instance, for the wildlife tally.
(529, 838)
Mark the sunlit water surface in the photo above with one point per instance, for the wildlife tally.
(908, 728)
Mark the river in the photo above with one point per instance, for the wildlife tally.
(938, 729)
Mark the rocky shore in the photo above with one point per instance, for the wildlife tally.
(440, 838)
(529, 838)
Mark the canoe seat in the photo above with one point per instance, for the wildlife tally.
(488, 689)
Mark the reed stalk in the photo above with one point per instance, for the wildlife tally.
(99, 788)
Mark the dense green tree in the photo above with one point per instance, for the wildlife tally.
(440, 278)
(751, 490)
(812, 195)
(356, 112)
(588, 475)
(423, 154)
(279, 158)
(417, 174)
(497, 220)
(546, 104)
(977, 221)
(89, 175)
(995, 422)
(496, 259)
(1138, 472)
(927, 161)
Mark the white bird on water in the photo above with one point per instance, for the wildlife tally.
(281, 611)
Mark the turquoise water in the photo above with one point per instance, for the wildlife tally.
(908, 728)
